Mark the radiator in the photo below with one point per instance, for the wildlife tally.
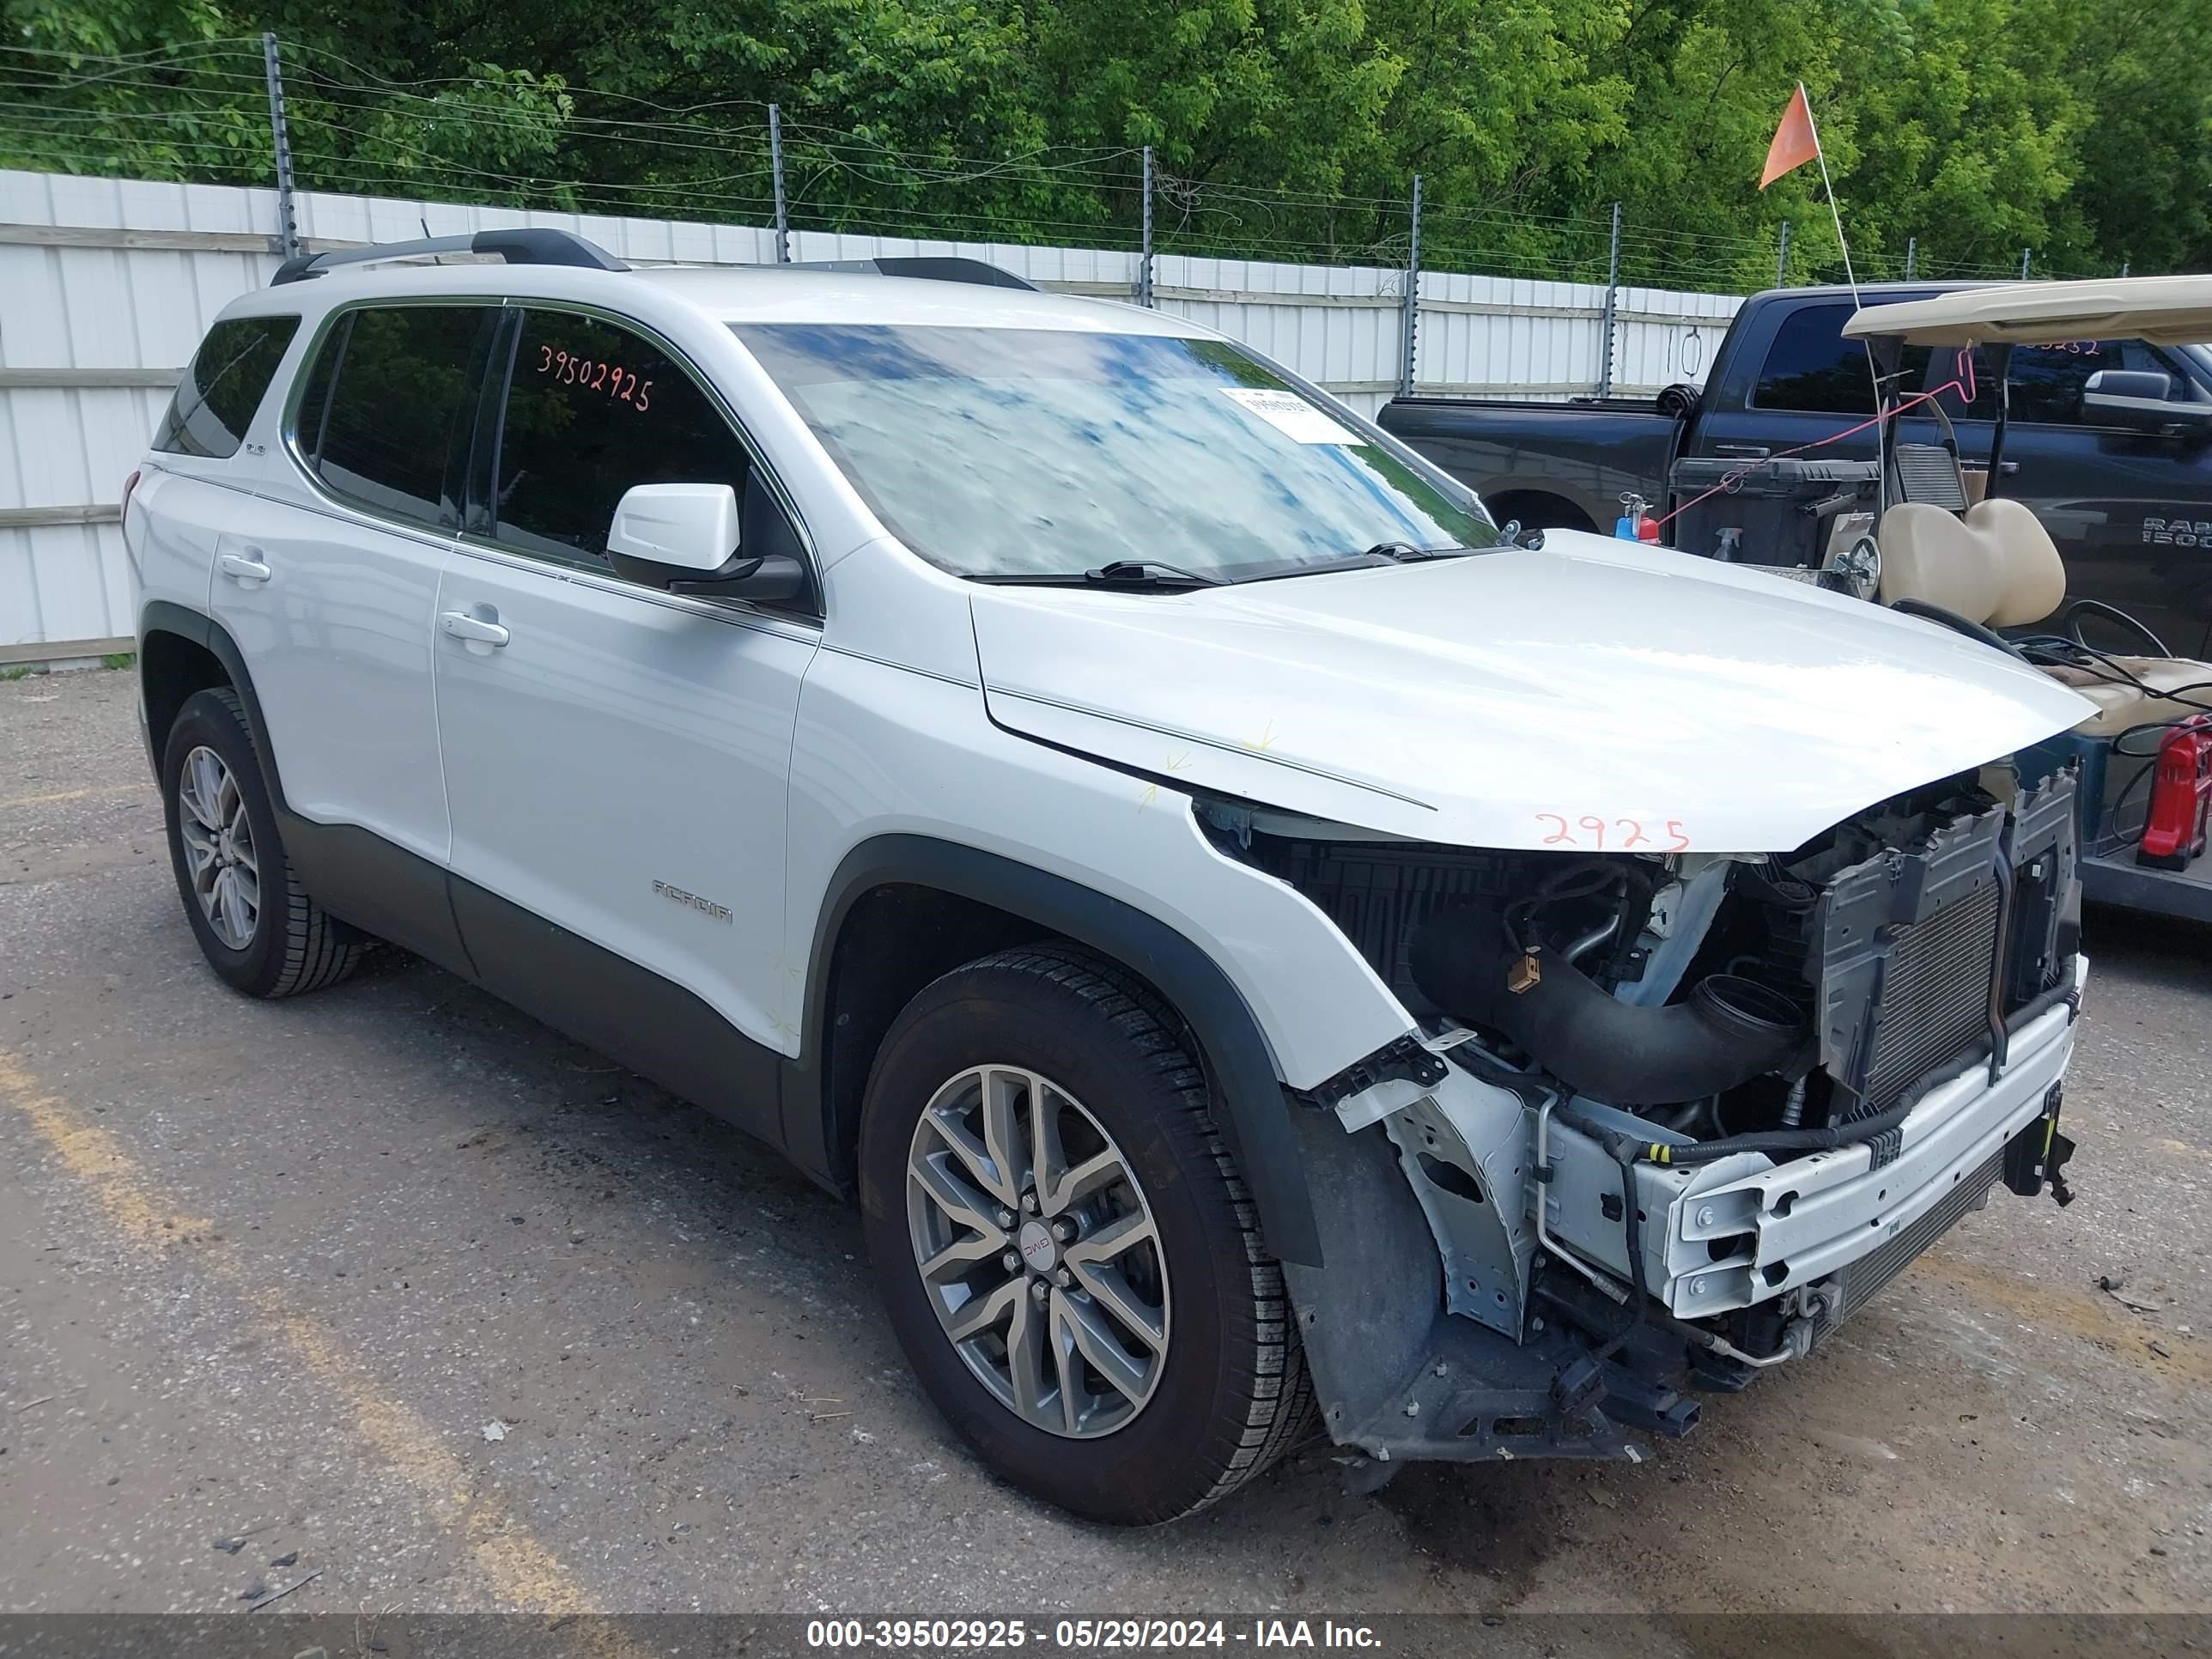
(1934, 997)
(1857, 1284)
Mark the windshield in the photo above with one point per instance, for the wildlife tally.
(1013, 453)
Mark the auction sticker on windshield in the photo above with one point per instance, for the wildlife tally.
(1291, 415)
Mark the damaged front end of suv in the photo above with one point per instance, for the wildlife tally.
(1667, 1119)
(1656, 957)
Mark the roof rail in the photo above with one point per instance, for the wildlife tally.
(932, 267)
(521, 246)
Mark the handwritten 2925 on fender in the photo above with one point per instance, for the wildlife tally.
(1666, 834)
(1177, 866)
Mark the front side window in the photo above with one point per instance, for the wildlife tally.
(2047, 381)
(593, 408)
(229, 376)
(389, 407)
(1043, 452)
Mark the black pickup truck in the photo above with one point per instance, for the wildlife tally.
(2129, 500)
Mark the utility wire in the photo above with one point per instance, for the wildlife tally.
(541, 139)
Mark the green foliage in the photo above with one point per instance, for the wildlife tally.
(136, 118)
(2081, 129)
(2143, 150)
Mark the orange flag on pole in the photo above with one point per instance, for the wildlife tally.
(1795, 141)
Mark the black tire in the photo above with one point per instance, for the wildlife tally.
(1538, 511)
(296, 946)
(1233, 1392)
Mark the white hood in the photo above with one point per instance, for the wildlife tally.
(1597, 693)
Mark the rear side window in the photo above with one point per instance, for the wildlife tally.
(229, 376)
(386, 417)
(592, 410)
(1812, 367)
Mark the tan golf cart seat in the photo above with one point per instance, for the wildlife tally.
(1997, 565)
(1992, 564)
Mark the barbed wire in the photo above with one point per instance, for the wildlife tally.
(175, 52)
(197, 109)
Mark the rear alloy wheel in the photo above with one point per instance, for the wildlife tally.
(218, 847)
(1063, 1244)
(255, 923)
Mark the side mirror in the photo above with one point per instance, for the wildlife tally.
(2139, 398)
(682, 538)
(682, 526)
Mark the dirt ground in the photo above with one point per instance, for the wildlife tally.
(397, 1283)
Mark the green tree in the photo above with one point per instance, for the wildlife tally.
(1968, 140)
(2081, 129)
(2143, 173)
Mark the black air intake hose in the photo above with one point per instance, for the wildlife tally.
(1728, 1031)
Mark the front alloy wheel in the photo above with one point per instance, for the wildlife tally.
(1064, 1246)
(1038, 1250)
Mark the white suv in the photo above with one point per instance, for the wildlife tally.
(1268, 950)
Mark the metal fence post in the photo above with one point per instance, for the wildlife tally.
(1912, 256)
(1145, 254)
(1782, 258)
(2024, 254)
(775, 168)
(1410, 303)
(1611, 292)
(288, 226)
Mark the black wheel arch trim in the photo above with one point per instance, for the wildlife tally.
(354, 873)
(166, 617)
(1256, 1113)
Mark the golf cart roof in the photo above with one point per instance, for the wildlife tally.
(2163, 310)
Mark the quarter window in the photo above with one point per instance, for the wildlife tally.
(387, 413)
(229, 374)
(593, 408)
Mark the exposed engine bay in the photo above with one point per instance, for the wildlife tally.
(1657, 1114)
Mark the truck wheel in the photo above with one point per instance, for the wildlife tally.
(1538, 511)
(257, 926)
(1065, 1249)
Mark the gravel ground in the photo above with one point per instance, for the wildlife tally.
(394, 1283)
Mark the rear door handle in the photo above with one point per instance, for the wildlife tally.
(1747, 452)
(240, 568)
(474, 629)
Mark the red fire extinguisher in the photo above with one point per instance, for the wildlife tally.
(1635, 523)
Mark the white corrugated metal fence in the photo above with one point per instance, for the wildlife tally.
(107, 284)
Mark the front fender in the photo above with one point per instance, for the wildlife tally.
(1256, 1115)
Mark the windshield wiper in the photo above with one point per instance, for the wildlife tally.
(1149, 573)
(1408, 553)
(1381, 554)
(1120, 573)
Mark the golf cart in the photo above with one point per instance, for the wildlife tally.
(1932, 540)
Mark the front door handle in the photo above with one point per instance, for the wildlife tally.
(243, 568)
(474, 629)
